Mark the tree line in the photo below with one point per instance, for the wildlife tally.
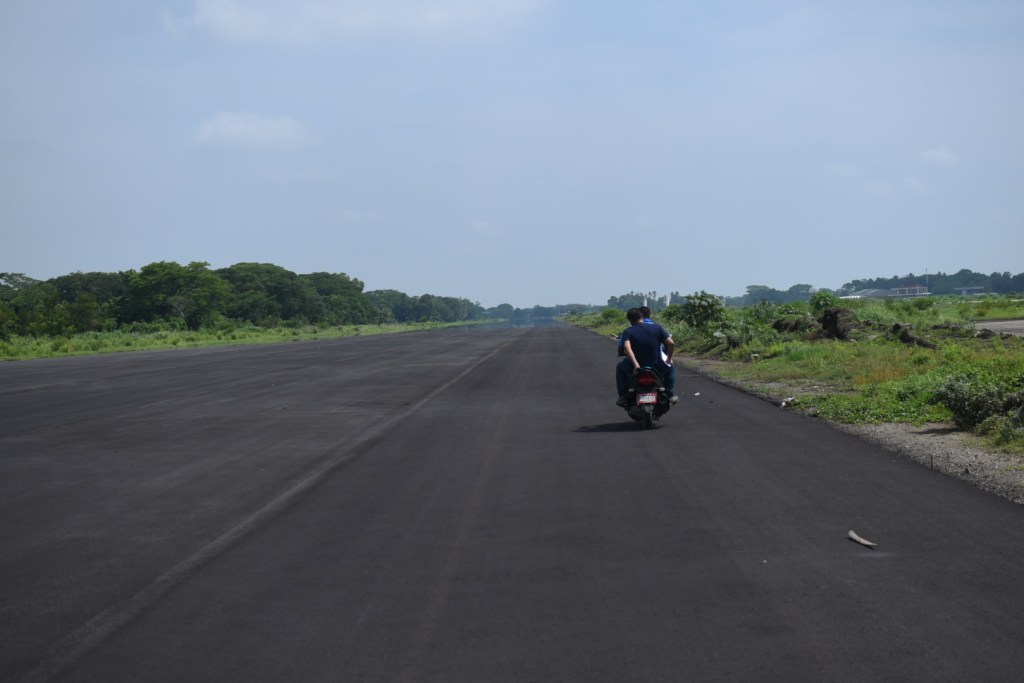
(938, 284)
(942, 283)
(166, 294)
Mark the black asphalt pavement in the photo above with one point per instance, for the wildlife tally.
(470, 505)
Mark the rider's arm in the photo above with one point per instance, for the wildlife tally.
(670, 347)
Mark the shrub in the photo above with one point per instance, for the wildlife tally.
(822, 301)
(673, 313)
(704, 312)
(921, 304)
(612, 315)
(763, 313)
(973, 396)
(1005, 427)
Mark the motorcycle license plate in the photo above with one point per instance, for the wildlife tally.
(647, 398)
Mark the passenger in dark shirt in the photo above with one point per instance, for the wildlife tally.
(642, 344)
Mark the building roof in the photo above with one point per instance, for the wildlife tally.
(869, 294)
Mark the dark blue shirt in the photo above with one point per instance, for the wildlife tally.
(622, 340)
(645, 340)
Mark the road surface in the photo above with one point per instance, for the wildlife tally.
(1014, 327)
(469, 505)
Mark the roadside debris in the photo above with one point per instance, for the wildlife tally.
(864, 542)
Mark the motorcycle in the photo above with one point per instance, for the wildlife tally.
(646, 399)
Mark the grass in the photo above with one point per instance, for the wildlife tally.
(142, 339)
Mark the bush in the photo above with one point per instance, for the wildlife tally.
(974, 396)
(822, 301)
(612, 315)
(761, 313)
(1005, 428)
(703, 312)
(673, 313)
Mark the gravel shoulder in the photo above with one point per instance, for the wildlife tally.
(938, 446)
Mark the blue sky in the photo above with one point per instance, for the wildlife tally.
(519, 151)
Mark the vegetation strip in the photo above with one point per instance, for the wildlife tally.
(166, 305)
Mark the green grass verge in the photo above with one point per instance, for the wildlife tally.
(24, 348)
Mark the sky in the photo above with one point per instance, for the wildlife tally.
(531, 152)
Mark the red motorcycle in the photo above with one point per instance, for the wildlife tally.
(646, 399)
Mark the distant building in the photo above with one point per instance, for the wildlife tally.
(869, 294)
(912, 291)
(894, 293)
(968, 291)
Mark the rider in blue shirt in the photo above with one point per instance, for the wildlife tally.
(643, 344)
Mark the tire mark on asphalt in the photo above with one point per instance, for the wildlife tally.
(427, 626)
(90, 635)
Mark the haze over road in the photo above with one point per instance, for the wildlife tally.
(469, 505)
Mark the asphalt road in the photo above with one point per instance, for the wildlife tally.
(469, 505)
(1014, 327)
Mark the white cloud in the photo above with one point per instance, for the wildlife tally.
(941, 156)
(304, 21)
(227, 129)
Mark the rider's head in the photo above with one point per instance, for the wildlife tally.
(634, 316)
(645, 312)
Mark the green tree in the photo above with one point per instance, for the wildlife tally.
(40, 311)
(9, 325)
(343, 298)
(636, 299)
(263, 293)
(12, 320)
(501, 311)
(165, 290)
(92, 299)
(392, 303)
(85, 314)
(704, 312)
(12, 282)
(798, 293)
(626, 301)
(102, 287)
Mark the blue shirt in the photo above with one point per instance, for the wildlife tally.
(622, 340)
(646, 339)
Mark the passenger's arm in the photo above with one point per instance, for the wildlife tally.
(628, 347)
